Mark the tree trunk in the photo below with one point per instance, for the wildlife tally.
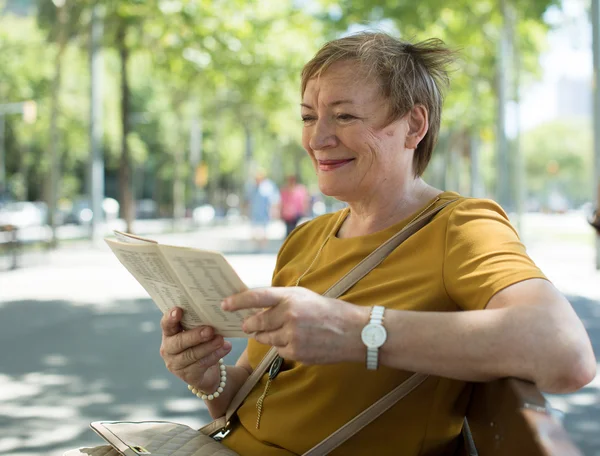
(476, 180)
(96, 160)
(503, 196)
(250, 168)
(298, 159)
(54, 113)
(452, 162)
(214, 162)
(463, 161)
(178, 187)
(195, 156)
(520, 177)
(24, 172)
(125, 192)
(179, 161)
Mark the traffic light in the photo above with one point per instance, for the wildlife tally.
(201, 175)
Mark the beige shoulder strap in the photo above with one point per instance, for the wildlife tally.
(339, 288)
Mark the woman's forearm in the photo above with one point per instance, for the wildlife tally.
(519, 341)
(534, 342)
(528, 330)
(469, 346)
(236, 376)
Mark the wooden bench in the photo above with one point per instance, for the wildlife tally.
(510, 417)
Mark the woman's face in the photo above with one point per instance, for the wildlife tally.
(355, 150)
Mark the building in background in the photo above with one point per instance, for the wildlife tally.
(565, 89)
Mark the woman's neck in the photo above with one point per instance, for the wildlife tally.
(369, 216)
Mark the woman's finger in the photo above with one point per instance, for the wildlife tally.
(254, 299)
(204, 355)
(194, 373)
(277, 338)
(267, 320)
(187, 339)
(170, 322)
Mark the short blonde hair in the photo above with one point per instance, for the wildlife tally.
(408, 74)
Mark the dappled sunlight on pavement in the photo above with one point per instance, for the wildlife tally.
(39, 414)
(65, 365)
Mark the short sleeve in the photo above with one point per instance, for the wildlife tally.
(483, 254)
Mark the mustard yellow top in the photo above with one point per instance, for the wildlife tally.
(468, 253)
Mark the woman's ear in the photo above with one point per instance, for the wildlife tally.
(418, 124)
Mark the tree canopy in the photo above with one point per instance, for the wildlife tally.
(229, 67)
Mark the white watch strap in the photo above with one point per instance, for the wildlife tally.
(377, 314)
(373, 353)
(372, 358)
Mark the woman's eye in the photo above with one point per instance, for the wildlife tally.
(345, 117)
(306, 119)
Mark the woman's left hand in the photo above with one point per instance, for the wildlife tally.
(304, 326)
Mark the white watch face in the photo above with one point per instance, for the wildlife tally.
(373, 335)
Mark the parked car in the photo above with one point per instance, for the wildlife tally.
(24, 214)
(146, 209)
(5, 198)
(81, 211)
(204, 214)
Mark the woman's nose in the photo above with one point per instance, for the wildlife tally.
(322, 136)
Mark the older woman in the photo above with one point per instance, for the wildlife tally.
(459, 300)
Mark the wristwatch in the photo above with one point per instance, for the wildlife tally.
(374, 336)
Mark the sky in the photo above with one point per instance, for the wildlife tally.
(569, 55)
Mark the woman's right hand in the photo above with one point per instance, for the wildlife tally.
(192, 355)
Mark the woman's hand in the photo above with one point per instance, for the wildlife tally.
(303, 325)
(192, 355)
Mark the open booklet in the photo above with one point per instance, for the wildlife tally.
(195, 280)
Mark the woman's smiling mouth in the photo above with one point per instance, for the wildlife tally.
(330, 165)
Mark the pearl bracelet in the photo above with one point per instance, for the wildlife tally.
(209, 397)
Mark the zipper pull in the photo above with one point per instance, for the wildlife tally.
(273, 372)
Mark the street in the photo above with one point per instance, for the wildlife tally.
(80, 337)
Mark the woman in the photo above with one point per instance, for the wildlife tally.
(371, 110)
(294, 203)
(262, 196)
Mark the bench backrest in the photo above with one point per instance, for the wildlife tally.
(510, 417)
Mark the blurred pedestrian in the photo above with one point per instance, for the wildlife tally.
(294, 203)
(262, 197)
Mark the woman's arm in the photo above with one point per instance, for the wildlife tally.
(236, 376)
(528, 330)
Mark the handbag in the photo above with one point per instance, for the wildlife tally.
(162, 438)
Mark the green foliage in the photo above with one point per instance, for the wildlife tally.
(235, 63)
(558, 157)
(25, 74)
(471, 28)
